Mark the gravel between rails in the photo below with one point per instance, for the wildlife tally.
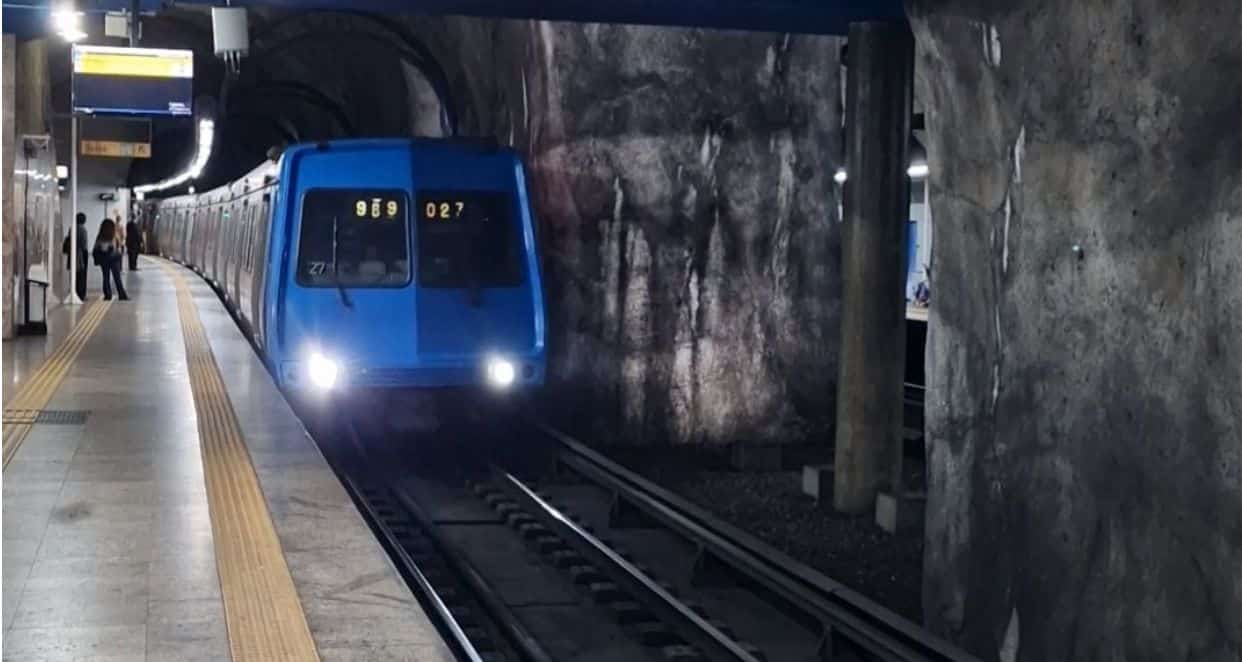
(770, 505)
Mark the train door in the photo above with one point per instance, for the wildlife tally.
(191, 229)
(204, 240)
(196, 240)
(245, 248)
(237, 246)
(225, 248)
(262, 264)
(209, 243)
(226, 224)
(225, 259)
(213, 244)
(183, 234)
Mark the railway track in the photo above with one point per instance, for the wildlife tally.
(476, 626)
(722, 566)
(493, 599)
(578, 558)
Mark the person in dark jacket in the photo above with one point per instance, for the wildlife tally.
(133, 243)
(107, 253)
(79, 280)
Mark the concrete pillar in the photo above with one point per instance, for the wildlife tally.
(33, 88)
(8, 234)
(872, 357)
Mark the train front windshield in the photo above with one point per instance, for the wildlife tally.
(468, 239)
(354, 238)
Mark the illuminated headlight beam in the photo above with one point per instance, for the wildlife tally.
(500, 372)
(322, 371)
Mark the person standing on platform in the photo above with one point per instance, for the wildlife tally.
(107, 255)
(79, 279)
(133, 243)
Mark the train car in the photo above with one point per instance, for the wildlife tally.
(392, 264)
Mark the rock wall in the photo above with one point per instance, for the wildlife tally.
(682, 180)
(1085, 350)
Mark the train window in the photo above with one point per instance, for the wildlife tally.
(354, 238)
(468, 238)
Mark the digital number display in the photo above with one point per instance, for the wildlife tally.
(443, 210)
(376, 209)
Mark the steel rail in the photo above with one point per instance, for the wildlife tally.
(457, 639)
(697, 630)
(844, 613)
(525, 643)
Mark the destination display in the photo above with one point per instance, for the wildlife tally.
(132, 81)
(441, 206)
(377, 208)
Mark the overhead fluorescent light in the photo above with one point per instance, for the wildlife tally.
(67, 22)
(206, 136)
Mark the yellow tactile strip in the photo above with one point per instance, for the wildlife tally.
(22, 411)
(262, 611)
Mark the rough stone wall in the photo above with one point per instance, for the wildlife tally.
(1085, 409)
(682, 180)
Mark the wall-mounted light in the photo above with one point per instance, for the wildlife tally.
(918, 160)
(918, 168)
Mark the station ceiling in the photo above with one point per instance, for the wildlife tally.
(29, 18)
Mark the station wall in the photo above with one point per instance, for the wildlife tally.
(683, 180)
(1085, 406)
(26, 111)
(8, 228)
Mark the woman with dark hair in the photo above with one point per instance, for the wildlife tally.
(107, 254)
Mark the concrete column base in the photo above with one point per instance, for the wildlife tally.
(817, 481)
(756, 457)
(894, 513)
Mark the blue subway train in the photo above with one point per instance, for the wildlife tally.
(393, 264)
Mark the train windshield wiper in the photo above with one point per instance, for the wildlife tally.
(336, 274)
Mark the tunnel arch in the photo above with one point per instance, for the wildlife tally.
(282, 34)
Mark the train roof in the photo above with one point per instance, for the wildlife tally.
(268, 171)
(458, 144)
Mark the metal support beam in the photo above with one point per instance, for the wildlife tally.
(134, 7)
(877, 203)
(72, 298)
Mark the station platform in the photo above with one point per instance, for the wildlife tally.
(162, 502)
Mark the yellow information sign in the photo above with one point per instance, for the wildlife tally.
(151, 63)
(117, 149)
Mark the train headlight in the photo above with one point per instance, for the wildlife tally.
(322, 371)
(500, 372)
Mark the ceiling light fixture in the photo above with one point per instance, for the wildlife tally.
(67, 22)
(206, 136)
